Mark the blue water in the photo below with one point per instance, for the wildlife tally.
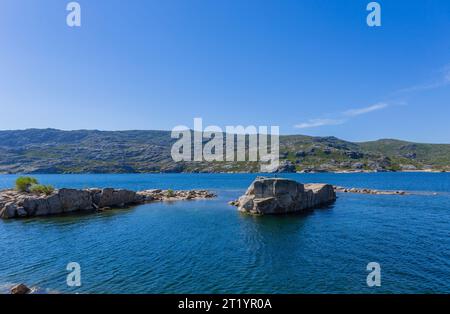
(208, 247)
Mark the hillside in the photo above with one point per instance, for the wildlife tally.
(56, 151)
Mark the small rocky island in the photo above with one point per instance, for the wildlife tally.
(369, 191)
(270, 196)
(21, 204)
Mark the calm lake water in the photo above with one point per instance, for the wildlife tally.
(208, 247)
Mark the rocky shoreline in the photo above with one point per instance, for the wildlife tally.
(14, 204)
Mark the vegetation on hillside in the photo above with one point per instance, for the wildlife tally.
(84, 151)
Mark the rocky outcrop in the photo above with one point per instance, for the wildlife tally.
(269, 196)
(354, 155)
(110, 197)
(169, 195)
(15, 204)
(408, 167)
(285, 166)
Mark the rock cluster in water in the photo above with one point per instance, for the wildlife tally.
(14, 204)
(269, 196)
(367, 191)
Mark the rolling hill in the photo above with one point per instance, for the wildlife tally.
(92, 151)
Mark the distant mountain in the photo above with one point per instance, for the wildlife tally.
(91, 151)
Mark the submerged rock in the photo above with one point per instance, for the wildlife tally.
(20, 289)
(281, 196)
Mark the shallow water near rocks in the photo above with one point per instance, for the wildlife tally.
(206, 246)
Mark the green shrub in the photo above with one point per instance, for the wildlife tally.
(170, 193)
(23, 184)
(42, 189)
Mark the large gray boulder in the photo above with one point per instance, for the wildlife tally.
(9, 210)
(62, 201)
(37, 206)
(268, 196)
(18, 204)
(114, 197)
(74, 200)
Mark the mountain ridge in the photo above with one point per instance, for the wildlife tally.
(96, 151)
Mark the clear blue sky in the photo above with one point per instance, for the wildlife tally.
(311, 67)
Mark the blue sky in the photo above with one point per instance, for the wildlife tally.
(312, 67)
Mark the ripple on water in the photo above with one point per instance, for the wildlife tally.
(208, 247)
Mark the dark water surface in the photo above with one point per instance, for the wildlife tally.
(208, 247)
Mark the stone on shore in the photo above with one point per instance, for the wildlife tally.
(269, 196)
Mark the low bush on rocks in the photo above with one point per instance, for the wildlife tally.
(31, 185)
(42, 189)
(23, 184)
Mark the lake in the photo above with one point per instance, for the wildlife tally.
(207, 246)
